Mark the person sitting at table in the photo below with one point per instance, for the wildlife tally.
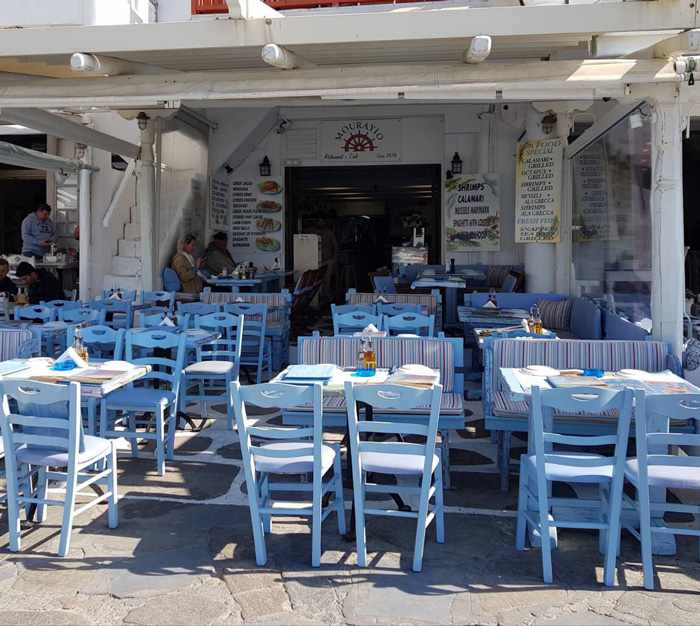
(42, 284)
(217, 258)
(186, 267)
(38, 232)
(7, 285)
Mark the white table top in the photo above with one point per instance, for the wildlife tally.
(519, 383)
(39, 368)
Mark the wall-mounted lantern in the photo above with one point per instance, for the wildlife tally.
(265, 167)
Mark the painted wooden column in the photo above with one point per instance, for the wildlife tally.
(146, 201)
(85, 224)
(540, 258)
(667, 259)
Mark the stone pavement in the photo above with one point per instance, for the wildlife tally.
(183, 554)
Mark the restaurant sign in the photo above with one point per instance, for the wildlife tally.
(473, 222)
(538, 191)
(361, 141)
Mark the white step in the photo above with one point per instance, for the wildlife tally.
(111, 281)
(129, 247)
(126, 266)
(132, 231)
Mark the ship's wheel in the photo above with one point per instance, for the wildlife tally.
(359, 142)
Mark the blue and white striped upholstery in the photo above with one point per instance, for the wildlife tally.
(427, 300)
(451, 404)
(15, 343)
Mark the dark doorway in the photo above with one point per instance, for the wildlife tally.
(691, 214)
(360, 212)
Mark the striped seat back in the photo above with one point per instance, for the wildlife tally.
(15, 343)
(427, 300)
(278, 304)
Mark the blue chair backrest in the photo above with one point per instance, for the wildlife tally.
(171, 281)
(186, 312)
(342, 309)
(509, 283)
(35, 313)
(617, 327)
(512, 300)
(389, 308)
(159, 298)
(78, 316)
(152, 317)
(62, 304)
(115, 312)
(48, 416)
(150, 347)
(255, 327)
(411, 323)
(589, 400)
(128, 295)
(384, 284)
(102, 342)
(586, 319)
(353, 322)
(229, 346)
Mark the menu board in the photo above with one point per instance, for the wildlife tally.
(257, 216)
(591, 210)
(219, 206)
(473, 222)
(538, 191)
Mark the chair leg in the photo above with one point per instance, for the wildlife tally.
(505, 460)
(265, 494)
(317, 506)
(112, 510)
(420, 526)
(229, 403)
(360, 533)
(521, 528)
(256, 523)
(545, 539)
(68, 512)
(445, 458)
(91, 411)
(645, 536)
(13, 509)
(133, 441)
(170, 429)
(339, 496)
(613, 543)
(439, 507)
(42, 484)
(160, 441)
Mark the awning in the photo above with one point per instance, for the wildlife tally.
(24, 157)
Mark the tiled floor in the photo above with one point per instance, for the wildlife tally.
(183, 555)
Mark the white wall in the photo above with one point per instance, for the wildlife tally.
(72, 12)
(174, 10)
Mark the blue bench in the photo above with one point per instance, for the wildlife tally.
(504, 415)
(432, 302)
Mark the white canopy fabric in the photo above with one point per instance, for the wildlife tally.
(24, 157)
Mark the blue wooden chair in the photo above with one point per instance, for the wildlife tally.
(80, 315)
(159, 298)
(217, 366)
(288, 452)
(171, 281)
(349, 323)
(391, 308)
(257, 348)
(384, 284)
(35, 313)
(409, 323)
(396, 457)
(62, 305)
(44, 441)
(343, 309)
(115, 313)
(186, 312)
(657, 468)
(155, 393)
(127, 295)
(547, 465)
(154, 316)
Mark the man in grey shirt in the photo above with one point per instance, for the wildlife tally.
(38, 232)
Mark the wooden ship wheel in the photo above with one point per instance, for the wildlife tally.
(359, 142)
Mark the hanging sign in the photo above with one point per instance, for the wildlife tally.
(538, 191)
(361, 141)
(219, 205)
(591, 211)
(257, 216)
(473, 222)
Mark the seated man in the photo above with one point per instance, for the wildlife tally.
(7, 286)
(42, 284)
(217, 258)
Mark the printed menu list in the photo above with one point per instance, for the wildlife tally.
(538, 191)
(591, 194)
(219, 203)
(242, 213)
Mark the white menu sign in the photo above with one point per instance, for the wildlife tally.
(473, 222)
(361, 141)
(219, 206)
(538, 191)
(591, 214)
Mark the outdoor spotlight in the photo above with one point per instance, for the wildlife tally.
(265, 167)
(142, 119)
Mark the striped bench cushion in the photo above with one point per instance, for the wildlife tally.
(424, 299)
(649, 356)
(451, 404)
(505, 406)
(391, 352)
(278, 303)
(15, 343)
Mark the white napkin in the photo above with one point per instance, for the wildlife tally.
(370, 330)
(71, 354)
(645, 323)
(239, 299)
(166, 321)
(381, 299)
(115, 296)
(488, 305)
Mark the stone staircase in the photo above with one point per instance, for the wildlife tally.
(126, 265)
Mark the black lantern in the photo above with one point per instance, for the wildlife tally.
(265, 167)
(456, 164)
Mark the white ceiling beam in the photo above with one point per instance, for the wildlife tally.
(623, 44)
(397, 23)
(251, 10)
(86, 63)
(251, 141)
(683, 43)
(60, 127)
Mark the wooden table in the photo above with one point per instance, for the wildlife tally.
(235, 284)
(520, 383)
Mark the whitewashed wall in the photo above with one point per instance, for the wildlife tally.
(73, 12)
